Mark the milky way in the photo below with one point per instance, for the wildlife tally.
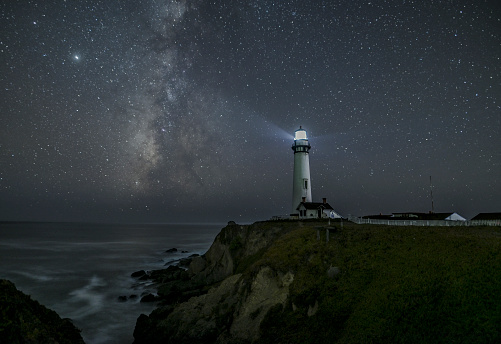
(185, 110)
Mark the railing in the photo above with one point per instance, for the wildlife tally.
(387, 222)
(485, 223)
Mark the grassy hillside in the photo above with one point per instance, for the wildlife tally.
(387, 284)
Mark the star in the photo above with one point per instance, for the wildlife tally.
(197, 104)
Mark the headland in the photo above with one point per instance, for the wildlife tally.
(332, 282)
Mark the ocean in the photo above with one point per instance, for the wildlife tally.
(80, 270)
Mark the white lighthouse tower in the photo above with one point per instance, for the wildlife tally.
(301, 184)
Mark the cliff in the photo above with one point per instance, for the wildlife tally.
(24, 320)
(284, 282)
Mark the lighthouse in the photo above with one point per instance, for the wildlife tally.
(301, 183)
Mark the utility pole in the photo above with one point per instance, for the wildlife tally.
(431, 195)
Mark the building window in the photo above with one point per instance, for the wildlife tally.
(305, 183)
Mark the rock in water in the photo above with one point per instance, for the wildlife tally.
(149, 298)
(23, 320)
(138, 274)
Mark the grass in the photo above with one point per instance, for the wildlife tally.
(396, 284)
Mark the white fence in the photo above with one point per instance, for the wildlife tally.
(360, 220)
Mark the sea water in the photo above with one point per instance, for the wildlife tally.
(80, 270)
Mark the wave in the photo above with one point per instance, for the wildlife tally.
(36, 277)
(89, 298)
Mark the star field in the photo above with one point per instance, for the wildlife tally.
(160, 111)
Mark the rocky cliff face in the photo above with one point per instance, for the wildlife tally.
(233, 246)
(224, 302)
(23, 320)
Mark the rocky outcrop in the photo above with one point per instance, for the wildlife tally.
(268, 288)
(233, 248)
(230, 312)
(23, 320)
(213, 300)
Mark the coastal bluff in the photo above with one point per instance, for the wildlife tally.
(23, 320)
(315, 282)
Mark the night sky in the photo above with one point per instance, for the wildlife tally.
(184, 111)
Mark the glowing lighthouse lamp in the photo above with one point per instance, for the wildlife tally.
(301, 187)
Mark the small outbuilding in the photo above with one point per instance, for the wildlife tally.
(317, 210)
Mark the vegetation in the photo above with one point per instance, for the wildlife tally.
(23, 320)
(395, 285)
(367, 284)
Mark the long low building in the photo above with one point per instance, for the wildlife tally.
(487, 219)
(429, 219)
(418, 216)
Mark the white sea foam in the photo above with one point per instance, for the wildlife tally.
(90, 298)
(80, 270)
(36, 277)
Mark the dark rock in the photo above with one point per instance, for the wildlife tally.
(197, 265)
(184, 251)
(171, 296)
(142, 329)
(185, 262)
(23, 320)
(122, 298)
(190, 293)
(171, 262)
(171, 250)
(146, 330)
(172, 273)
(139, 273)
(149, 298)
(172, 268)
(133, 296)
(144, 277)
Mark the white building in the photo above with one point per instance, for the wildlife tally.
(302, 205)
(428, 216)
(301, 181)
(487, 219)
(315, 210)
